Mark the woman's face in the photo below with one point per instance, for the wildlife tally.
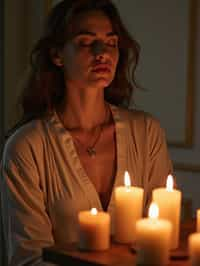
(91, 55)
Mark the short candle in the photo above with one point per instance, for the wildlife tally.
(94, 230)
(198, 220)
(153, 237)
(169, 203)
(128, 209)
(194, 249)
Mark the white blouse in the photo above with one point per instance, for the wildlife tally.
(44, 184)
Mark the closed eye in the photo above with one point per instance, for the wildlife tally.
(112, 42)
(85, 42)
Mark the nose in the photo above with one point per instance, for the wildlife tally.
(99, 50)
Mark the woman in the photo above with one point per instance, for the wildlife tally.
(78, 142)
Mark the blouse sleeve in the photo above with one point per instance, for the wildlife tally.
(26, 225)
(158, 163)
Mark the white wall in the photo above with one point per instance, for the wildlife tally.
(161, 28)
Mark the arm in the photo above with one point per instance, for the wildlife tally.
(26, 225)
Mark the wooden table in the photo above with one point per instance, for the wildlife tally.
(117, 255)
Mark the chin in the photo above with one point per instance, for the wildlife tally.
(101, 82)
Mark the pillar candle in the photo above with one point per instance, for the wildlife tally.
(128, 209)
(169, 203)
(94, 230)
(153, 237)
(198, 220)
(194, 249)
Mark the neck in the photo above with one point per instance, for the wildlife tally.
(84, 110)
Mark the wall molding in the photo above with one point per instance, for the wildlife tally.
(190, 75)
(192, 168)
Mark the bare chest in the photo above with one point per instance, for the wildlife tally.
(100, 168)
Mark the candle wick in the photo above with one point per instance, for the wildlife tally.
(169, 189)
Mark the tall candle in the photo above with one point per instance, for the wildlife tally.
(128, 209)
(94, 230)
(198, 220)
(153, 237)
(194, 249)
(169, 203)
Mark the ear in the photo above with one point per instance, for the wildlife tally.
(57, 57)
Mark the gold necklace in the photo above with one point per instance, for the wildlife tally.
(91, 150)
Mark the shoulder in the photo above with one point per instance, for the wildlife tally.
(140, 118)
(145, 129)
(27, 138)
(143, 126)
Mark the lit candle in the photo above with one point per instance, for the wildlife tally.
(194, 249)
(198, 220)
(128, 209)
(94, 230)
(169, 203)
(153, 237)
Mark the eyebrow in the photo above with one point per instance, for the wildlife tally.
(85, 32)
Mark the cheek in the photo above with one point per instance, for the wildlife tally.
(74, 63)
(116, 58)
(115, 55)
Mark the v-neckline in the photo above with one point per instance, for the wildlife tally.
(87, 185)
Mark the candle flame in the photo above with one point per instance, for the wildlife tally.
(127, 180)
(153, 211)
(94, 211)
(170, 183)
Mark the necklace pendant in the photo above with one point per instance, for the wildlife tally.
(91, 152)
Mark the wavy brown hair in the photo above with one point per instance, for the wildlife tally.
(45, 86)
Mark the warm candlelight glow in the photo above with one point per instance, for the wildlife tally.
(127, 180)
(194, 248)
(153, 211)
(169, 203)
(198, 220)
(94, 230)
(93, 211)
(170, 183)
(128, 209)
(153, 239)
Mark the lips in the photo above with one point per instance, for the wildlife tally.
(101, 69)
